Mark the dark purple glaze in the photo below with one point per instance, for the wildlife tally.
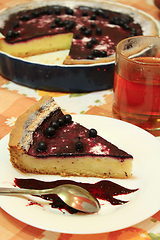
(104, 190)
(63, 142)
(114, 27)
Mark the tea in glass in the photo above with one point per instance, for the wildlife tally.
(136, 97)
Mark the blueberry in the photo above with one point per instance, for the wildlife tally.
(16, 24)
(105, 14)
(103, 53)
(54, 124)
(79, 145)
(94, 40)
(92, 132)
(90, 57)
(89, 45)
(133, 31)
(25, 17)
(114, 20)
(42, 146)
(95, 11)
(60, 23)
(60, 121)
(53, 25)
(50, 131)
(99, 12)
(48, 11)
(126, 26)
(83, 29)
(77, 36)
(57, 10)
(93, 16)
(70, 25)
(57, 20)
(67, 118)
(35, 14)
(96, 53)
(10, 34)
(93, 24)
(84, 13)
(88, 32)
(16, 34)
(98, 31)
(69, 11)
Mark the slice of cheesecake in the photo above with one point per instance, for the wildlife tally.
(45, 141)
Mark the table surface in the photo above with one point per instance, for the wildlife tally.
(15, 99)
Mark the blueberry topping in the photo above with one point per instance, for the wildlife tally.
(103, 53)
(69, 11)
(60, 23)
(93, 16)
(93, 24)
(60, 122)
(70, 25)
(126, 19)
(126, 26)
(96, 11)
(98, 31)
(105, 14)
(35, 14)
(42, 146)
(133, 31)
(79, 145)
(92, 132)
(25, 17)
(50, 131)
(77, 36)
(84, 13)
(57, 20)
(67, 118)
(57, 10)
(47, 11)
(88, 32)
(96, 53)
(10, 34)
(94, 40)
(99, 12)
(54, 124)
(66, 22)
(83, 29)
(89, 45)
(115, 20)
(16, 24)
(16, 34)
(53, 25)
(90, 57)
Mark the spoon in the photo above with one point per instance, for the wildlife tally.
(74, 196)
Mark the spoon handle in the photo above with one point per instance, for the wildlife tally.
(17, 191)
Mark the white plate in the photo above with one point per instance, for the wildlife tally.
(142, 204)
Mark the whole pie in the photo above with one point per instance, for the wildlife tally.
(45, 141)
(90, 32)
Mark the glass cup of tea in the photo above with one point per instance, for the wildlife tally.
(136, 92)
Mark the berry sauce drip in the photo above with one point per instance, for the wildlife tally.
(96, 31)
(104, 190)
(69, 139)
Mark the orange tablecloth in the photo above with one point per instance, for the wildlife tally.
(15, 99)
